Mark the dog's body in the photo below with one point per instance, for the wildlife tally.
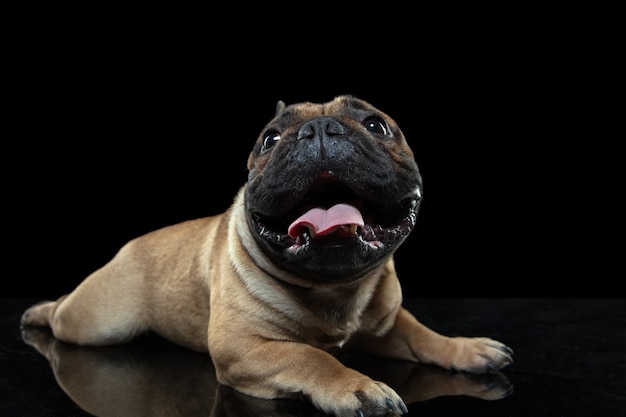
(301, 264)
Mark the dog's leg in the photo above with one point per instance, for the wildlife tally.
(275, 369)
(411, 340)
(93, 314)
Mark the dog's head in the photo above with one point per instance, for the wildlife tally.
(333, 189)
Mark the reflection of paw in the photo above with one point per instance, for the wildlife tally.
(479, 355)
(358, 395)
(428, 382)
(489, 387)
(40, 338)
(232, 403)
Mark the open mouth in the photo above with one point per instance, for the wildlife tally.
(332, 214)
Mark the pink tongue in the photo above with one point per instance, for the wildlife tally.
(323, 222)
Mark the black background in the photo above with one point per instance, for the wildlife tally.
(120, 117)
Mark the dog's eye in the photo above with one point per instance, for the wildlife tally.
(269, 139)
(376, 124)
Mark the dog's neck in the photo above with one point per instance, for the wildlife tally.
(336, 305)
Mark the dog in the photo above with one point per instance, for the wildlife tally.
(298, 267)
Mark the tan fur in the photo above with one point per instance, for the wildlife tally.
(206, 285)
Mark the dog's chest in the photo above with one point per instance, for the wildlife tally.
(329, 324)
(327, 337)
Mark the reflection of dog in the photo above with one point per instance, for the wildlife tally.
(300, 265)
(135, 380)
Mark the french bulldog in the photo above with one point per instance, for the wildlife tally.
(299, 267)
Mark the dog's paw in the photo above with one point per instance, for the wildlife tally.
(37, 315)
(358, 396)
(479, 355)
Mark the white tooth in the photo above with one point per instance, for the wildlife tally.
(352, 229)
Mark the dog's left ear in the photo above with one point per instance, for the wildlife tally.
(280, 106)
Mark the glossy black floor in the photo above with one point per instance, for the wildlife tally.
(570, 360)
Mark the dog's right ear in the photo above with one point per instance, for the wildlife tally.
(280, 106)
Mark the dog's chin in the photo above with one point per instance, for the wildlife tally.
(329, 259)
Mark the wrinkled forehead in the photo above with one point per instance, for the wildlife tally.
(340, 107)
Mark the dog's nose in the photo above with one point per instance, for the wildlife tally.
(324, 126)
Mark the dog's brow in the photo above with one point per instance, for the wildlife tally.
(287, 114)
(356, 104)
(283, 119)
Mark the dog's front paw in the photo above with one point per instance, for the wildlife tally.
(479, 355)
(358, 396)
